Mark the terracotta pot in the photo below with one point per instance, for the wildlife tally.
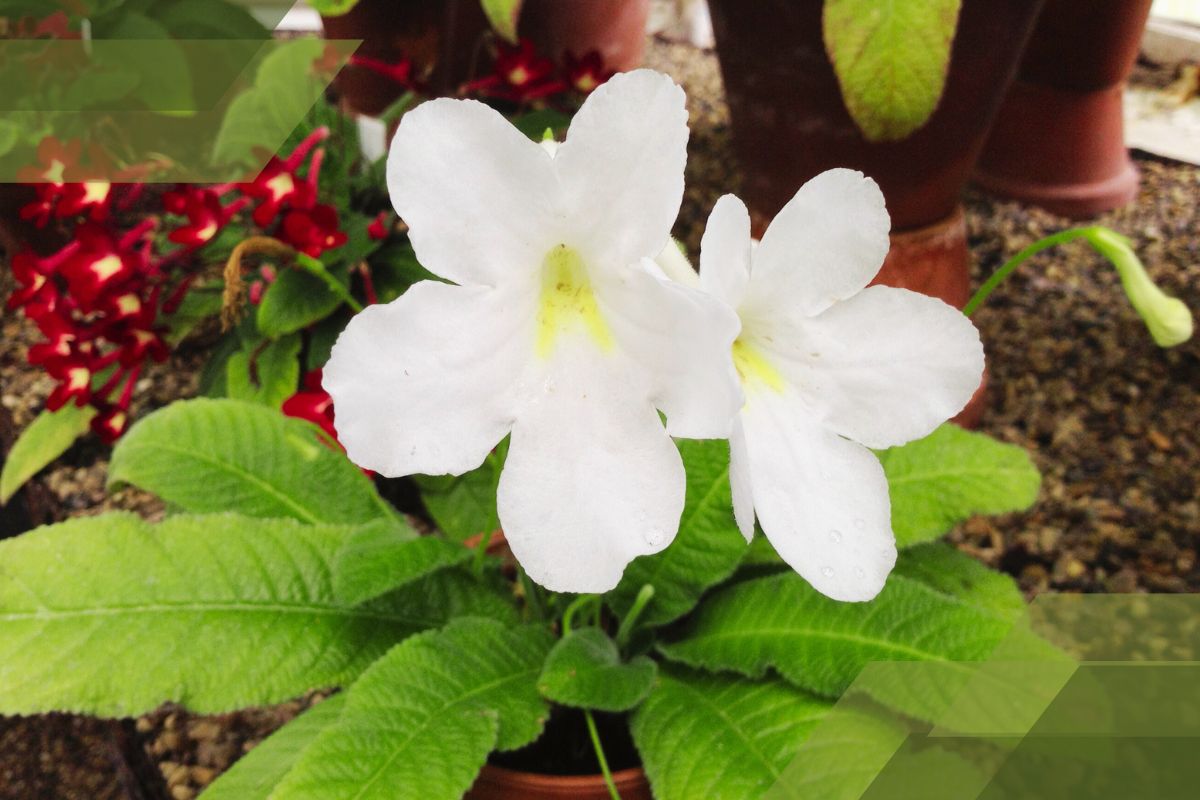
(1059, 141)
(498, 783)
(443, 37)
(615, 28)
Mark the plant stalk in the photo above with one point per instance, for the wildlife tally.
(604, 770)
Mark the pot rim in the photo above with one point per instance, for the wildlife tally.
(538, 780)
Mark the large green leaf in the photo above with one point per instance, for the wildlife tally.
(465, 506)
(706, 550)
(720, 736)
(819, 644)
(215, 455)
(942, 567)
(422, 720)
(295, 300)
(939, 481)
(113, 616)
(46, 438)
(891, 60)
(267, 375)
(385, 555)
(585, 670)
(257, 773)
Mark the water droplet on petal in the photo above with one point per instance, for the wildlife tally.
(827, 572)
(549, 385)
(860, 523)
(835, 536)
(653, 536)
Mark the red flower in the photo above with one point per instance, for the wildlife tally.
(278, 187)
(378, 229)
(585, 74)
(55, 159)
(400, 72)
(90, 197)
(520, 74)
(139, 344)
(206, 216)
(110, 423)
(312, 403)
(100, 265)
(61, 345)
(313, 232)
(37, 293)
(75, 383)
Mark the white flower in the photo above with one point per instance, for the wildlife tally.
(829, 368)
(560, 330)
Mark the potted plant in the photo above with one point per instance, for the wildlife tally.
(1059, 139)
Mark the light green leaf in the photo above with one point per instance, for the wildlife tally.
(255, 774)
(332, 8)
(425, 716)
(706, 550)
(295, 300)
(720, 736)
(10, 135)
(164, 81)
(113, 616)
(267, 375)
(891, 60)
(503, 15)
(585, 670)
(943, 568)
(465, 506)
(215, 455)
(385, 555)
(46, 438)
(943, 479)
(819, 644)
(199, 304)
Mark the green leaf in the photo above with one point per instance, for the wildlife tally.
(255, 774)
(113, 616)
(819, 644)
(465, 505)
(585, 670)
(385, 555)
(164, 80)
(215, 455)
(503, 15)
(332, 8)
(720, 736)
(943, 479)
(267, 375)
(10, 135)
(943, 568)
(198, 305)
(891, 60)
(706, 550)
(425, 716)
(394, 268)
(295, 300)
(46, 438)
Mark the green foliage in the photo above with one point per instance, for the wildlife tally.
(465, 505)
(943, 568)
(199, 304)
(255, 774)
(385, 555)
(706, 550)
(425, 716)
(213, 455)
(332, 8)
(295, 300)
(46, 438)
(394, 268)
(585, 670)
(503, 15)
(268, 374)
(819, 644)
(720, 736)
(113, 616)
(891, 60)
(939, 481)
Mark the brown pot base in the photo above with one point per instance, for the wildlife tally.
(498, 783)
(1072, 162)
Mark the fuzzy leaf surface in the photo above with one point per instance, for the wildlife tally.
(385, 555)
(585, 670)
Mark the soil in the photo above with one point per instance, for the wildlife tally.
(1112, 421)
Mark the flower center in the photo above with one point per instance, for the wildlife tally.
(753, 369)
(568, 301)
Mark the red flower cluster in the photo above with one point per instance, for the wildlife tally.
(314, 404)
(520, 74)
(98, 300)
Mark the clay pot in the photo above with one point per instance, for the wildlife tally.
(498, 783)
(1059, 141)
(615, 28)
(444, 38)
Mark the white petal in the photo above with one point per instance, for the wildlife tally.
(621, 168)
(739, 481)
(681, 339)
(675, 265)
(426, 383)
(592, 479)
(883, 368)
(821, 500)
(479, 197)
(725, 251)
(826, 244)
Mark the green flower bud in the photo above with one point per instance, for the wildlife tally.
(1167, 318)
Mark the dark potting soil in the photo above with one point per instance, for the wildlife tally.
(565, 748)
(1112, 421)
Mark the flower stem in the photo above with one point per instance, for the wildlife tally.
(315, 267)
(1010, 266)
(568, 617)
(608, 778)
(639, 605)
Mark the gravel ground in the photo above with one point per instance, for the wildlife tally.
(1111, 420)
